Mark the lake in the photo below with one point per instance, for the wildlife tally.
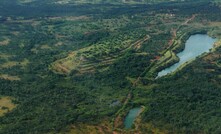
(194, 46)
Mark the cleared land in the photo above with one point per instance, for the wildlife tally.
(6, 105)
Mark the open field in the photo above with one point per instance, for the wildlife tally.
(6, 105)
(8, 77)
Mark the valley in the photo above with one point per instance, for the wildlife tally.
(84, 67)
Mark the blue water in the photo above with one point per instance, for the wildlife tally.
(195, 46)
(130, 118)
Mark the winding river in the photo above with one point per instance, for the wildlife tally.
(196, 45)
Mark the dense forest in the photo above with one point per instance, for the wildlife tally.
(80, 66)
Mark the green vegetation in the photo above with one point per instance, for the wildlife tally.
(79, 66)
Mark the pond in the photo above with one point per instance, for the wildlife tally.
(194, 46)
(131, 116)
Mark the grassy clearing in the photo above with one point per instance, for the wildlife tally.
(215, 23)
(59, 44)
(102, 128)
(64, 66)
(45, 47)
(6, 105)
(5, 42)
(8, 77)
(5, 56)
(149, 128)
(10, 64)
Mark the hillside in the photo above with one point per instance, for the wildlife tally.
(79, 67)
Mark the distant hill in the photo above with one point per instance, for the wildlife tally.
(100, 1)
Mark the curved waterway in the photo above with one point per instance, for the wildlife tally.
(194, 46)
(131, 116)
